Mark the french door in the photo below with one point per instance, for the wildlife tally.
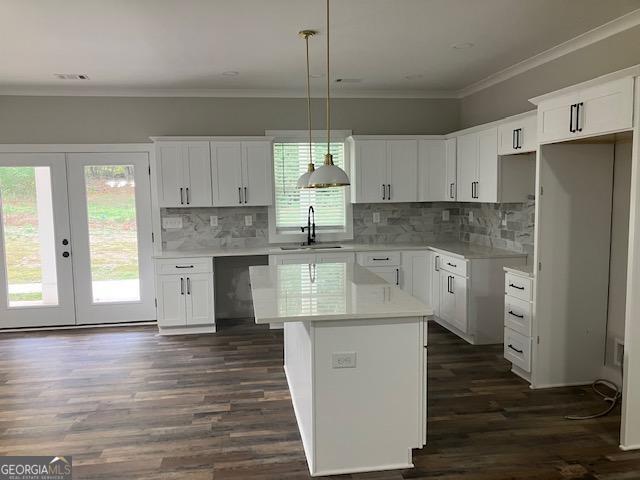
(75, 239)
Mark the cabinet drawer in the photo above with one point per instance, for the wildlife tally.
(379, 259)
(174, 266)
(453, 265)
(517, 286)
(517, 349)
(517, 315)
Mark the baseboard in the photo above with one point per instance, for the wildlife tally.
(187, 330)
(382, 468)
(77, 327)
(560, 385)
(628, 448)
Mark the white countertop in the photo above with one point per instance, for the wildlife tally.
(330, 291)
(456, 249)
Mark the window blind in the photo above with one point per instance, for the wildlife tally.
(292, 203)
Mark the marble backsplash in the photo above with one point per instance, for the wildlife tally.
(508, 226)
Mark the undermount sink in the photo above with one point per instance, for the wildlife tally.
(309, 247)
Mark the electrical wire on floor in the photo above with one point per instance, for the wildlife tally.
(611, 399)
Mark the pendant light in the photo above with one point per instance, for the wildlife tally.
(303, 181)
(328, 175)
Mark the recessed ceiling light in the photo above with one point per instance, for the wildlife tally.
(462, 45)
(414, 76)
(231, 73)
(71, 76)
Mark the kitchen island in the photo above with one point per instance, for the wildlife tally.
(355, 361)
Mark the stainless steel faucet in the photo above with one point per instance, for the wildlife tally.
(311, 227)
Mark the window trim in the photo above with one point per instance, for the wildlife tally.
(337, 136)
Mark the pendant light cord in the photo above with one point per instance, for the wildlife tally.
(328, 91)
(306, 39)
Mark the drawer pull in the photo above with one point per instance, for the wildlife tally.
(515, 314)
(385, 259)
(452, 265)
(184, 266)
(515, 349)
(516, 286)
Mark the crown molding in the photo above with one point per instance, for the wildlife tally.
(215, 93)
(618, 25)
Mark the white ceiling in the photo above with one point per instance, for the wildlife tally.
(186, 45)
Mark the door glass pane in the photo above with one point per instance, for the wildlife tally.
(29, 240)
(113, 233)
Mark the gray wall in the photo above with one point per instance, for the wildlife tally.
(35, 119)
(511, 96)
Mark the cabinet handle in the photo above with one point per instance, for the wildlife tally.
(515, 349)
(184, 266)
(239, 195)
(188, 196)
(388, 191)
(516, 286)
(452, 265)
(435, 264)
(384, 195)
(514, 136)
(578, 122)
(245, 195)
(182, 286)
(385, 259)
(520, 136)
(571, 129)
(515, 314)
(398, 276)
(451, 190)
(188, 286)
(181, 196)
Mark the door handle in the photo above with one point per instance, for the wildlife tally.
(516, 286)
(388, 191)
(188, 286)
(398, 276)
(181, 196)
(188, 196)
(380, 259)
(239, 195)
(578, 122)
(515, 314)
(452, 265)
(571, 129)
(452, 279)
(181, 286)
(515, 349)
(451, 190)
(184, 266)
(514, 136)
(384, 195)
(245, 195)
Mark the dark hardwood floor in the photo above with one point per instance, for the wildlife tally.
(129, 404)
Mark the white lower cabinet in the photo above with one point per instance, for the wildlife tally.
(185, 294)
(518, 319)
(311, 258)
(415, 278)
(385, 264)
(453, 300)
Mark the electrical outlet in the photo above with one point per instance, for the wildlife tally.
(248, 220)
(376, 217)
(470, 216)
(213, 219)
(343, 360)
(171, 223)
(504, 219)
(445, 215)
(618, 352)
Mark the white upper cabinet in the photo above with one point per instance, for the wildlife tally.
(384, 170)
(487, 182)
(241, 173)
(437, 170)
(518, 135)
(467, 166)
(589, 111)
(184, 174)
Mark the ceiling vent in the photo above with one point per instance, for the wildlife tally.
(72, 76)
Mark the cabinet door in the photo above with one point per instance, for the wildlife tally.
(432, 171)
(197, 158)
(434, 272)
(554, 118)
(257, 174)
(370, 171)
(171, 302)
(199, 299)
(402, 171)
(467, 166)
(528, 134)
(226, 175)
(294, 259)
(487, 183)
(607, 108)
(450, 169)
(171, 175)
(389, 274)
(335, 258)
(453, 300)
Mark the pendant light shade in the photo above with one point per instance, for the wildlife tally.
(328, 175)
(303, 181)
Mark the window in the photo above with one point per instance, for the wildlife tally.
(291, 206)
